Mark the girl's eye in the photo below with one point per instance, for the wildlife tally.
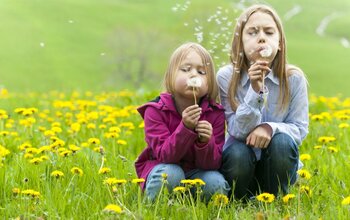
(201, 72)
(185, 69)
(253, 33)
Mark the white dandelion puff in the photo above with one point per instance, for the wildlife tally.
(42, 44)
(195, 82)
(266, 51)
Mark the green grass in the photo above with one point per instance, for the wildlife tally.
(99, 45)
(85, 197)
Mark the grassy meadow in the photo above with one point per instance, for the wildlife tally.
(72, 74)
(71, 155)
(117, 44)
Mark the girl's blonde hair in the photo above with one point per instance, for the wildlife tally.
(240, 61)
(174, 64)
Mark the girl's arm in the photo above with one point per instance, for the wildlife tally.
(248, 114)
(208, 155)
(166, 147)
(296, 121)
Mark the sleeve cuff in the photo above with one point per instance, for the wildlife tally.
(254, 99)
(273, 126)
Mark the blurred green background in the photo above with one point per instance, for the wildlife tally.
(115, 44)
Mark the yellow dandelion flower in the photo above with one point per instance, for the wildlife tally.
(113, 208)
(114, 129)
(16, 191)
(346, 201)
(65, 153)
(326, 139)
(220, 199)
(49, 133)
(4, 152)
(198, 182)
(121, 142)
(333, 149)
(36, 160)
(266, 197)
(142, 124)
(4, 133)
(287, 198)
(317, 147)
(304, 157)
(24, 146)
(317, 117)
(306, 190)
(44, 157)
(57, 174)
(91, 126)
(73, 148)
(94, 141)
(75, 127)
(30, 192)
(343, 125)
(179, 189)
(304, 174)
(187, 182)
(77, 170)
(138, 180)
(114, 181)
(28, 155)
(164, 176)
(102, 126)
(3, 114)
(104, 170)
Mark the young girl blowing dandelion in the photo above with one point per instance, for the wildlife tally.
(266, 107)
(184, 138)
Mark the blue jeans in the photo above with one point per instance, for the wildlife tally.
(277, 168)
(214, 181)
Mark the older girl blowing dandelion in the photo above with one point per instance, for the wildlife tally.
(266, 107)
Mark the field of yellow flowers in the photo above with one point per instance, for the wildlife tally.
(71, 155)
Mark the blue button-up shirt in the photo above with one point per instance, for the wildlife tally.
(252, 112)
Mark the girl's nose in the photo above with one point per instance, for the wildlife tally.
(261, 38)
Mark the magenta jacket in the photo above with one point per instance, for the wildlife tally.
(169, 141)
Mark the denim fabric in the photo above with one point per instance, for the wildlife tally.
(276, 170)
(214, 181)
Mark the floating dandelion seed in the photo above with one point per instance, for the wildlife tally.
(42, 44)
(71, 21)
(102, 54)
(185, 24)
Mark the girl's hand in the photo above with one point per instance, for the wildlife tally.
(256, 73)
(260, 137)
(204, 130)
(190, 116)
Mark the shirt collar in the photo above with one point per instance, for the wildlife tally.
(270, 76)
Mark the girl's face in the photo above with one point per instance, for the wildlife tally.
(190, 67)
(259, 33)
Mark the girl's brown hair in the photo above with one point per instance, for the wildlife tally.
(241, 63)
(174, 63)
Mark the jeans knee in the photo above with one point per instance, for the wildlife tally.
(237, 161)
(155, 179)
(283, 149)
(215, 183)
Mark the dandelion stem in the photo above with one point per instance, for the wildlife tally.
(194, 95)
(218, 215)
